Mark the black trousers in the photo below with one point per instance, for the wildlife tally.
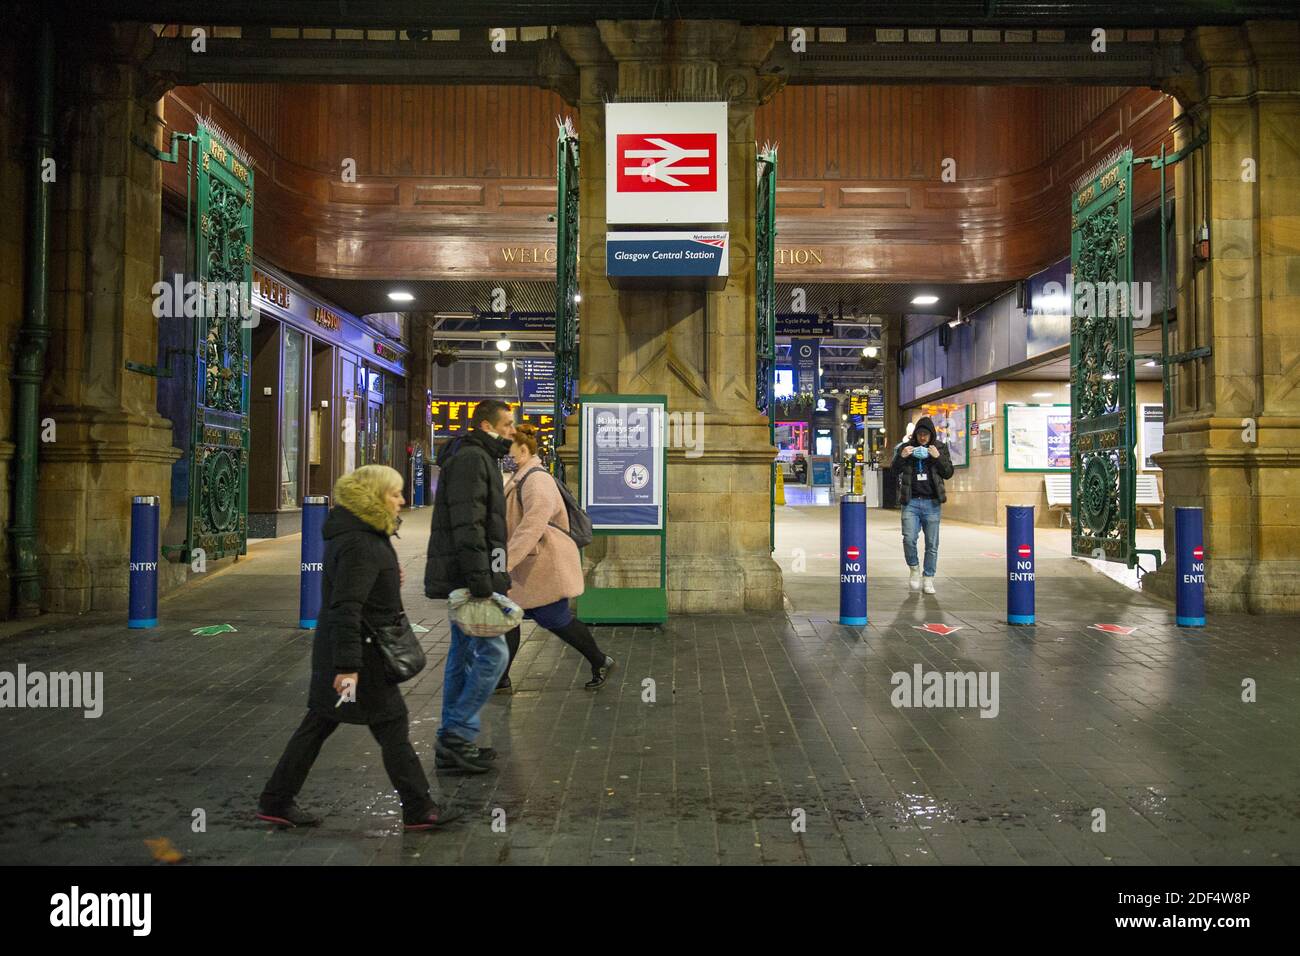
(394, 738)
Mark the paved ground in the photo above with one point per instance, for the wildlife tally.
(759, 724)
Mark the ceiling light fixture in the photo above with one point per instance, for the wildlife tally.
(925, 300)
(1042, 394)
(500, 383)
(501, 366)
(870, 351)
(577, 297)
(400, 296)
(503, 344)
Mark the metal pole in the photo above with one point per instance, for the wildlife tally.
(29, 370)
(1164, 281)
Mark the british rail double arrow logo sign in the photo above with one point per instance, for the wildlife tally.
(665, 163)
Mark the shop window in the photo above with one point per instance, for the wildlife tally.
(291, 419)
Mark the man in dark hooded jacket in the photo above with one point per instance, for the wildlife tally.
(922, 465)
(467, 549)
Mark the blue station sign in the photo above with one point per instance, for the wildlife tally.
(666, 254)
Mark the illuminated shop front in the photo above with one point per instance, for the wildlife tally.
(326, 396)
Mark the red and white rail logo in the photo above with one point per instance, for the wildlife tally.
(1023, 551)
(851, 553)
(667, 162)
(1198, 554)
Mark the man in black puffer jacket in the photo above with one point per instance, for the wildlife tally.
(922, 464)
(467, 549)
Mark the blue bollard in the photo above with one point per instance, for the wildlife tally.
(1189, 558)
(417, 495)
(142, 600)
(853, 560)
(1020, 564)
(314, 510)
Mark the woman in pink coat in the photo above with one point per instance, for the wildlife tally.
(544, 564)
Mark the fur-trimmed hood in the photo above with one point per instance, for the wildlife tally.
(354, 497)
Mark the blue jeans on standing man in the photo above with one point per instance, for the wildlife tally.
(474, 665)
(922, 514)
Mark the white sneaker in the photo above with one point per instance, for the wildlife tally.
(929, 585)
(914, 582)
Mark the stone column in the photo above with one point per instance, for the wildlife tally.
(693, 345)
(1232, 445)
(109, 442)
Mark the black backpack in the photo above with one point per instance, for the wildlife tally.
(579, 522)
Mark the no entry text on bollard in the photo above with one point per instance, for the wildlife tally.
(853, 560)
(314, 510)
(1020, 564)
(142, 600)
(1189, 558)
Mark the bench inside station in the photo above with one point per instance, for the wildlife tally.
(1146, 497)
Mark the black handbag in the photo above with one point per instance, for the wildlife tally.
(400, 648)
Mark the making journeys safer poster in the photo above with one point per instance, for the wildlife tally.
(622, 464)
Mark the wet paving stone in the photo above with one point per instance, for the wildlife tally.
(756, 720)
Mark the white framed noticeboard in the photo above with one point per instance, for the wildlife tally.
(1152, 438)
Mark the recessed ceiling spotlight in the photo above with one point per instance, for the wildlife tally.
(1042, 394)
(870, 351)
(925, 300)
(503, 344)
(501, 366)
(500, 383)
(400, 296)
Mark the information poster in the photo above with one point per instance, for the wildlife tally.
(952, 424)
(806, 356)
(1153, 434)
(623, 463)
(1037, 437)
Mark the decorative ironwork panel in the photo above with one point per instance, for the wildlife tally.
(1103, 426)
(765, 282)
(566, 276)
(218, 505)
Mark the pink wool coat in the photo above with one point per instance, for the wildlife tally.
(543, 561)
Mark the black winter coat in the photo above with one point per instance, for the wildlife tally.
(467, 541)
(939, 468)
(361, 583)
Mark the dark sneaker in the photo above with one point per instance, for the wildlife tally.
(599, 674)
(505, 687)
(460, 754)
(485, 755)
(290, 816)
(433, 818)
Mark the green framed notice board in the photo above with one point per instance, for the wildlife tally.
(1035, 437)
(623, 487)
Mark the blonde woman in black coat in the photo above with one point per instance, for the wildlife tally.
(361, 586)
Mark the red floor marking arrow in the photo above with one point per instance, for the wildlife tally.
(1113, 628)
(940, 629)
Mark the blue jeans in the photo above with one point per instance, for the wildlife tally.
(474, 665)
(921, 514)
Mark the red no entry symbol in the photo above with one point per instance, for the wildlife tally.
(1023, 551)
(851, 553)
(1198, 553)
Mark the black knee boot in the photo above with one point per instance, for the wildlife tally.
(578, 636)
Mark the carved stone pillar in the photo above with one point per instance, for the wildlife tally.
(693, 345)
(1232, 445)
(109, 442)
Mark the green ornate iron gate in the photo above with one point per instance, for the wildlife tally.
(218, 503)
(765, 314)
(1103, 426)
(566, 277)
